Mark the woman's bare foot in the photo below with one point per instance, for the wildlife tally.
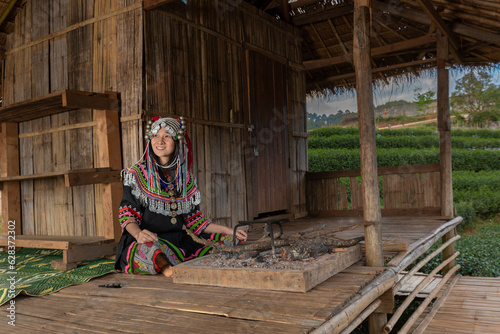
(167, 271)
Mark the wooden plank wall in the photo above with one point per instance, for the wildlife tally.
(406, 190)
(195, 67)
(88, 45)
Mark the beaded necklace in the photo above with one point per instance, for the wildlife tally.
(169, 185)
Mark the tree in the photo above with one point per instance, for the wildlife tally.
(475, 92)
(423, 100)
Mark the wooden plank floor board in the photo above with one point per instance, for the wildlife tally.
(473, 306)
(147, 303)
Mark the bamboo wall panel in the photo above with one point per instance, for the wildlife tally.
(81, 150)
(104, 74)
(40, 57)
(195, 66)
(405, 190)
(39, 64)
(60, 216)
(129, 81)
(298, 124)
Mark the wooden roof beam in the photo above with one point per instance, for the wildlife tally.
(378, 70)
(381, 69)
(457, 28)
(306, 45)
(372, 61)
(302, 3)
(429, 9)
(387, 49)
(285, 11)
(331, 13)
(152, 4)
(324, 46)
(337, 35)
(388, 28)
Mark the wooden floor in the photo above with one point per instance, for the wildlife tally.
(472, 307)
(154, 304)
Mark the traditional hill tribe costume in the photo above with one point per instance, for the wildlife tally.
(164, 200)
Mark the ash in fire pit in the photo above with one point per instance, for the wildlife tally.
(292, 252)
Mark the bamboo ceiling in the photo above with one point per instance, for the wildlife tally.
(404, 38)
(403, 42)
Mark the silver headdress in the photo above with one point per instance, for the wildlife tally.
(181, 161)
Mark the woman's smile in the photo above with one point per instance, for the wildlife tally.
(163, 146)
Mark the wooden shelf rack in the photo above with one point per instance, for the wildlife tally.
(105, 107)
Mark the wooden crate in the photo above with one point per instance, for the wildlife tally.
(192, 272)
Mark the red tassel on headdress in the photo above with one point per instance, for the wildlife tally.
(190, 151)
(155, 118)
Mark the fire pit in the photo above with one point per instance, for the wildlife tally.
(296, 262)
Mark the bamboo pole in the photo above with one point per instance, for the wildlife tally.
(360, 302)
(402, 260)
(437, 305)
(395, 317)
(366, 120)
(362, 316)
(403, 280)
(427, 300)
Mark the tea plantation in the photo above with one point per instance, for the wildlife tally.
(476, 178)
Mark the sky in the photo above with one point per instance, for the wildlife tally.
(392, 92)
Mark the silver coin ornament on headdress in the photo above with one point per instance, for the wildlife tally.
(174, 127)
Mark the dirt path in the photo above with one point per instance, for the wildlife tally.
(397, 126)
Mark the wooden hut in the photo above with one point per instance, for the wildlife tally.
(81, 79)
(234, 73)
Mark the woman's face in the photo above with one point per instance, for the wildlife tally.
(163, 145)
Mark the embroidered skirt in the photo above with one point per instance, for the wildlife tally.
(142, 258)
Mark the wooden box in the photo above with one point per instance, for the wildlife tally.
(192, 272)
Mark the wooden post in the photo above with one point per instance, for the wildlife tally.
(285, 9)
(366, 120)
(11, 192)
(444, 127)
(369, 171)
(108, 137)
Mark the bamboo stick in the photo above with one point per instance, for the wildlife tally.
(362, 316)
(331, 231)
(358, 303)
(395, 317)
(74, 27)
(435, 308)
(402, 260)
(58, 129)
(419, 265)
(427, 300)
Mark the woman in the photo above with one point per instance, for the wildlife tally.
(161, 200)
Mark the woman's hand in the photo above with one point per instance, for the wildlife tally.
(241, 235)
(145, 236)
(142, 236)
(216, 228)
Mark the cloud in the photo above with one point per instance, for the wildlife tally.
(393, 92)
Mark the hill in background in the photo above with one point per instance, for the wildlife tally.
(390, 110)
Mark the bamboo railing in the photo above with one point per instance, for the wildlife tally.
(368, 298)
(403, 260)
(405, 190)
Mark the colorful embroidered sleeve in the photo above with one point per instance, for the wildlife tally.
(195, 221)
(130, 210)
